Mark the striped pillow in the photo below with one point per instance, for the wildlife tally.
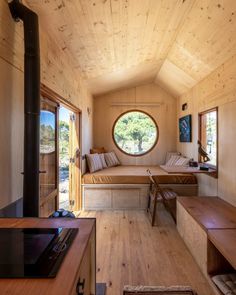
(182, 162)
(172, 160)
(111, 159)
(94, 162)
(102, 158)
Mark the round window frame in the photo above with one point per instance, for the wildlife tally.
(147, 114)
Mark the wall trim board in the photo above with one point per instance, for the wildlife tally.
(49, 93)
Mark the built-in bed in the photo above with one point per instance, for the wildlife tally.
(126, 187)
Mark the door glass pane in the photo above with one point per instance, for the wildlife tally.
(47, 132)
(47, 152)
(64, 158)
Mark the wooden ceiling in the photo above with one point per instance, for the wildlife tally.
(120, 43)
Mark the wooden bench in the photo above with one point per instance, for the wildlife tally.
(208, 228)
(210, 212)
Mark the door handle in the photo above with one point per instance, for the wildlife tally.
(72, 160)
(77, 153)
(40, 172)
(80, 287)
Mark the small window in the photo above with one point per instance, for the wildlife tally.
(209, 135)
(135, 133)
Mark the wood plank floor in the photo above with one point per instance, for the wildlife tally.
(130, 251)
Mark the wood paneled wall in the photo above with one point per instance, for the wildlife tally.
(56, 73)
(218, 89)
(106, 112)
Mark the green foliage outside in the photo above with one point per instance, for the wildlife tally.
(64, 145)
(47, 139)
(211, 140)
(135, 132)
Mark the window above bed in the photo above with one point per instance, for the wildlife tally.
(208, 135)
(135, 133)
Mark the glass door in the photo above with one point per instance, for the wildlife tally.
(48, 158)
(69, 160)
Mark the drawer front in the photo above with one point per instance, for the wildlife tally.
(97, 198)
(194, 237)
(126, 198)
(83, 282)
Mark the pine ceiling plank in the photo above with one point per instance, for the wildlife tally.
(171, 18)
(119, 16)
(110, 37)
(11, 40)
(133, 76)
(207, 38)
(173, 79)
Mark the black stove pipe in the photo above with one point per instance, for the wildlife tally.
(31, 106)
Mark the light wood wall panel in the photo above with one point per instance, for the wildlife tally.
(105, 114)
(56, 73)
(218, 89)
(11, 132)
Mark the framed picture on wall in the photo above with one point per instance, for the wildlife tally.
(185, 129)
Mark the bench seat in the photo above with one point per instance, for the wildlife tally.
(210, 212)
(208, 228)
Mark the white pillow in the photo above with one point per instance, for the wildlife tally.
(94, 162)
(172, 160)
(111, 159)
(170, 154)
(182, 162)
(102, 158)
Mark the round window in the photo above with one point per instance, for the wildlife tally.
(135, 133)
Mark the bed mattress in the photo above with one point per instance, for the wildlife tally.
(136, 175)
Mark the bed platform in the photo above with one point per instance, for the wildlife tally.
(126, 187)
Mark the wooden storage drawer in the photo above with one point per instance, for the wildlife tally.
(97, 198)
(126, 198)
(193, 235)
(83, 283)
(85, 279)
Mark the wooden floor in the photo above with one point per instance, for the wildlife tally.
(130, 251)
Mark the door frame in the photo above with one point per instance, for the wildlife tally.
(46, 92)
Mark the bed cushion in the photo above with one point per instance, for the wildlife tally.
(94, 162)
(111, 159)
(136, 175)
(226, 283)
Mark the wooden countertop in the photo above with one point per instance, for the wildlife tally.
(225, 241)
(66, 275)
(210, 212)
(187, 170)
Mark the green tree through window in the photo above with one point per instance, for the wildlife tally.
(135, 133)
